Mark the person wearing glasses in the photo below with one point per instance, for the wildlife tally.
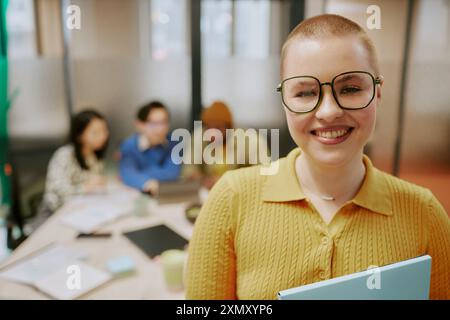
(145, 157)
(326, 211)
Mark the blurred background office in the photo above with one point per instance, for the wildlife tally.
(191, 53)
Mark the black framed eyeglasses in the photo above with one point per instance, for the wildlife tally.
(352, 90)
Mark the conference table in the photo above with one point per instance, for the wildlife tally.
(146, 282)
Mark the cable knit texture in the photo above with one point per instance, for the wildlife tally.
(258, 234)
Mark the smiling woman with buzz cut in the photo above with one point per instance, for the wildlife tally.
(327, 211)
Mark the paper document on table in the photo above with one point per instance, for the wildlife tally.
(54, 270)
(64, 284)
(91, 218)
(30, 269)
(114, 194)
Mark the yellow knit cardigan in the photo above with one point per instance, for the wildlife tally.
(258, 234)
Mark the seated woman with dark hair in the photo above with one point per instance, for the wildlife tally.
(77, 167)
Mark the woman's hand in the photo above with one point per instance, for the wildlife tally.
(209, 181)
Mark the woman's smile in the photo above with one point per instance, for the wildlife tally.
(332, 135)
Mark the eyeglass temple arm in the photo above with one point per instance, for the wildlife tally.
(379, 79)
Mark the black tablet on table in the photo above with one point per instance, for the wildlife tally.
(157, 239)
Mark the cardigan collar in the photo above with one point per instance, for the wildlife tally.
(284, 186)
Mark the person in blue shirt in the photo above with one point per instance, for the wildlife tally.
(146, 156)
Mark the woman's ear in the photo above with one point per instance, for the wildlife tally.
(380, 85)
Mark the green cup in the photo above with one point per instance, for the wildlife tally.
(141, 206)
(173, 265)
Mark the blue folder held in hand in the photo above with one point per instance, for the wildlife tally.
(405, 280)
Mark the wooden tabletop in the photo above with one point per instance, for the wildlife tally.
(146, 283)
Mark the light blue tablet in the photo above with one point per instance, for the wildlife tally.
(405, 280)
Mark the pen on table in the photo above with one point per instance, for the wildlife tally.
(94, 235)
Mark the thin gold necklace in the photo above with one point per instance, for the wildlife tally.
(322, 196)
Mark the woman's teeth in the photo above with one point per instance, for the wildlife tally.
(331, 134)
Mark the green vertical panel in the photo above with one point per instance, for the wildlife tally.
(4, 105)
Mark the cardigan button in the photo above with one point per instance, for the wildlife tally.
(325, 240)
(322, 275)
